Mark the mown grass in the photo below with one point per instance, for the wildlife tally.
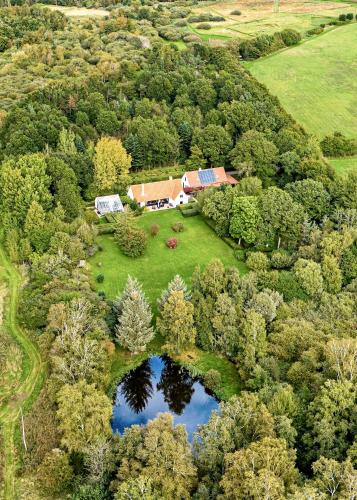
(344, 166)
(316, 81)
(198, 245)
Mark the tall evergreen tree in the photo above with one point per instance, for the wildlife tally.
(176, 284)
(132, 145)
(134, 328)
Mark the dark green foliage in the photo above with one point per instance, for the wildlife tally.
(338, 145)
(132, 242)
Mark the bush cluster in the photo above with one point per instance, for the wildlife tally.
(338, 145)
(205, 17)
(178, 227)
(266, 44)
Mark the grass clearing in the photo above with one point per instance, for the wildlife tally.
(316, 81)
(198, 245)
(79, 12)
(344, 166)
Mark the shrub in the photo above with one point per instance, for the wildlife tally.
(171, 243)
(178, 227)
(212, 379)
(342, 17)
(281, 259)
(181, 23)
(154, 229)
(236, 12)
(290, 37)
(338, 145)
(191, 38)
(314, 31)
(257, 261)
(203, 26)
(190, 212)
(132, 240)
(100, 278)
(170, 34)
(239, 254)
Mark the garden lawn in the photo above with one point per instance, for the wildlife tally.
(316, 81)
(344, 165)
(198, 245)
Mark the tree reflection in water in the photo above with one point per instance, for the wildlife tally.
(136, 387)
(176, 384)
(160, 385)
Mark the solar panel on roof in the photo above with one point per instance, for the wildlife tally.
(206, 176)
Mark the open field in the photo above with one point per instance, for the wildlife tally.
(257, 16)
(79, 11)
(198, 245)
(344, 165)
(316, 81)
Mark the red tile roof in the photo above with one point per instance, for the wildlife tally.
(220, 178)
(153, 191)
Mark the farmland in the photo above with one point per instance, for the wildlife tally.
(257, 17)
(316, 81)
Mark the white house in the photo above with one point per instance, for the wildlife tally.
(161, 194)
(108, 204)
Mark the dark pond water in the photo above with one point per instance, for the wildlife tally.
(159, 385)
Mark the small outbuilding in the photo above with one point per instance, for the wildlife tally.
(108, 204)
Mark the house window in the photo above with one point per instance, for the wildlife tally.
(181, 195)
(181, 202)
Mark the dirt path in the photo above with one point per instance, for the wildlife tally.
(31, 379)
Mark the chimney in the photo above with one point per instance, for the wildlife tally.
(170, 178)
(200, 168)
(142, 190)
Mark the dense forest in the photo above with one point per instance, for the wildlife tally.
(111, 101)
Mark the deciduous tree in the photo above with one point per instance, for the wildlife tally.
(111, 161)
(176, 321)
(84, 414)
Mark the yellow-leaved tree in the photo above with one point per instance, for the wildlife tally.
(111, 162)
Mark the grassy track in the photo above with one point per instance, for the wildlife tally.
(316, 81)
(29, 383)
(344, 165)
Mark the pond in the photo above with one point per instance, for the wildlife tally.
(160, 385)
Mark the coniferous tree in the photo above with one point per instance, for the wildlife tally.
(176, 284)
(134, 330)
(133, 147)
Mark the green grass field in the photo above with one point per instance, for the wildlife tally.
(316, 81)
(344, 165)
(258, 16)
(198, 244)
